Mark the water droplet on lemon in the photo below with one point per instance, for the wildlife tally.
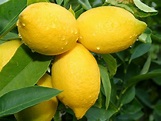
(98, 48)
(23, 24)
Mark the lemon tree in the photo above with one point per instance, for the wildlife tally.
(86, 60)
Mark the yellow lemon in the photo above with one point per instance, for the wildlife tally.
(76, 73)
(108, 29)
(43, 111)
(48, 28)
(7, 50)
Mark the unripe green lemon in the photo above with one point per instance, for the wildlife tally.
(76, 73)
(108, 29)
(48, 28)
(7, 50)
(43, 111)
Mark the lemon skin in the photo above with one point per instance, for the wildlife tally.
(76, 72)
(48, 28)
(108, 29)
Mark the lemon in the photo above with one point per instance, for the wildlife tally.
(108, 29)
(48, 28)
(43, 111)
(7, 50)
(76, 73)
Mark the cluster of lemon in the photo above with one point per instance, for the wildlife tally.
(50, 29)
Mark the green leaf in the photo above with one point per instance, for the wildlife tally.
(9, 12)
(130, 117)
(106, 84)
(23, 70)
(143, 6)
(146, 36)
(96, 3)
(111, 63)
(146, 66)
(153, 74)
(144, 97)
(9, 36)
(71, 10)
(157, 117)
(59, 2)
(157, 108)
(85, 4)
(20, 99)
(140, 50)
(132, 107)
(100, 114)
(79, 12)
(35, 1)
(157, 80)
(128, 95)
(99, 101)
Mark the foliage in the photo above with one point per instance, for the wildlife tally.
(131, 79)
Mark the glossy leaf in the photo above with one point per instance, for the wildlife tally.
(146, 36)
(9, 36)
(139, 51)
(23, 70)
(132, 107)
(59, 2)
(143, 6)
(72, 11)
(128, 95)
(106, 84)
(111, 63)
(20, 99)
(100, 114)
(153, 74)
(85, 4)
(96, 3)
(146, 66)
(9, 12)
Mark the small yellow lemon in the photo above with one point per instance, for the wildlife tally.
(43, 111)
(7, 50)
(108, 29)
(48, 28)
(76, 73)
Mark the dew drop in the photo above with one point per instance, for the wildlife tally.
(66, 42)
(45, 47)
(130, 37)
(23, 24)
(98, 48)
(80, 37)
(19, 35)
(75, 32)
(62, 48)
